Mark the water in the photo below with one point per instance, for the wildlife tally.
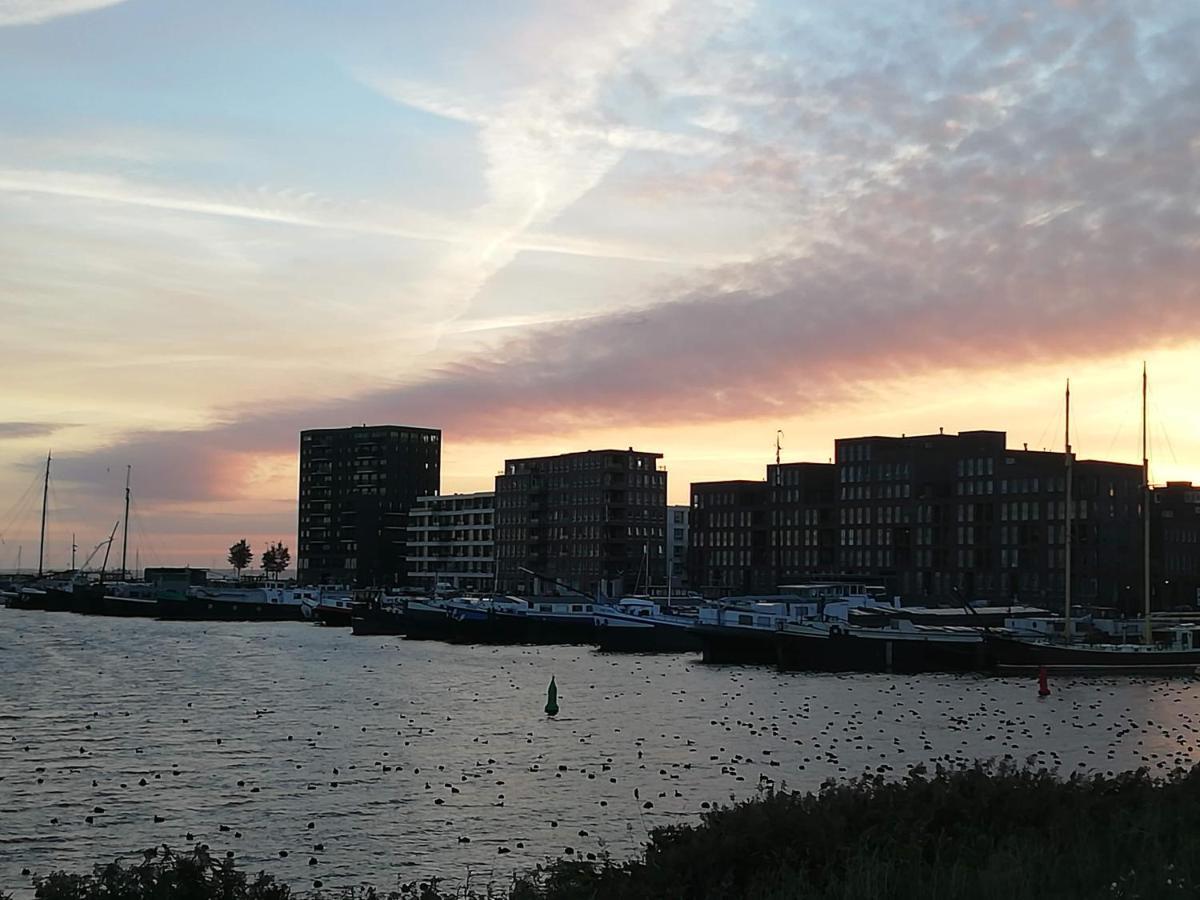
(264, 739)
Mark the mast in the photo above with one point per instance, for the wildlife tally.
(45, 496)
(74, 547)
(125, 535)
(1069, 517)
(107, 547)
(1148, 634)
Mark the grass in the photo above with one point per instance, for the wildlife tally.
(985, 832)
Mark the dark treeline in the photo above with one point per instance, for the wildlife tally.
(987, 832)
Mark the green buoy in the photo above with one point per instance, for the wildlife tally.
(552, 698)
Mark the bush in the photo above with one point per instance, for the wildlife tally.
(162, 875)
(988, 832)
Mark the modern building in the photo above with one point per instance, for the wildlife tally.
(356, 487)
(1175, 545)
(802, 514)
(946, 516)
(451, 542)
(730, 548)
(593, 520)
(676, 541)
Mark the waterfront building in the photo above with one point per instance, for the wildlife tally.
(730, 551)
(356, 487)
(676, 541)
(593, 519)
(451, 542)
(1175, 545)
(945, 516)
(802, 515)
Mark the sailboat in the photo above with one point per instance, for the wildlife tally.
(1178, 652)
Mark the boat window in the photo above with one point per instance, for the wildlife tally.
(576, 607)
(545, 607)
(643, 612)
(745, 619)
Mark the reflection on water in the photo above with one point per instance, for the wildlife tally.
(319, 756)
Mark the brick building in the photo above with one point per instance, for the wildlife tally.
(593, 519)
(1175, 545)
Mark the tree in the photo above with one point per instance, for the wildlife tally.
(240, 556)
(275, 559)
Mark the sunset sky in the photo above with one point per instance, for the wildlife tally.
(547, 226)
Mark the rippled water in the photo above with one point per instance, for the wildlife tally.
(265, 739)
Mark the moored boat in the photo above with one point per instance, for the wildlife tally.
(231, 605)
(377, 618)
(742, 629)
(514, 620)
(638, 625)
(329, 607)
(903, 647)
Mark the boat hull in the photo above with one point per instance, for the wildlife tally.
(203, 610)
(504, 628)
(128, 607)
(368, 621)
(652, 638)
(489, 627)
(733, 645)
(848, 652)
(333, 616)
(1013, 655)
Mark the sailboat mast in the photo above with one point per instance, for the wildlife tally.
(45, 497)
(107, 547)
(1069, 518)
(1148, 631)
(125, 534)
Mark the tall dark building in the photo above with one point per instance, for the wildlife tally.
(729, 535)
(356, 486)
(941, 516)
(1175, 545)
(594, 520)
(802, 508)
(944, 517)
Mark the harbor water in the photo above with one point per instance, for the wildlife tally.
(330, 760)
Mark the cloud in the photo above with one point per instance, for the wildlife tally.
(12, 430)
(35, 12)
(942, 207)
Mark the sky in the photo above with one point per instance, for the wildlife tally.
(548, 226)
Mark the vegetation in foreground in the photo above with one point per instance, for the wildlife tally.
(984, 832)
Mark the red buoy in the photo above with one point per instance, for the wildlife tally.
(1043, 688)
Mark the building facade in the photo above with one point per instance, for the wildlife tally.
(676, 541)
(948, 516)
(594, 520)
(451, 542)
(356, 487)
(802, 515)
(944, 518)
(1175, 545)
(730, 551)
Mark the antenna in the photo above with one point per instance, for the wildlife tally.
(778, 445)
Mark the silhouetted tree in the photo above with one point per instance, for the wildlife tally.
(240, 556)
(275, 559)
